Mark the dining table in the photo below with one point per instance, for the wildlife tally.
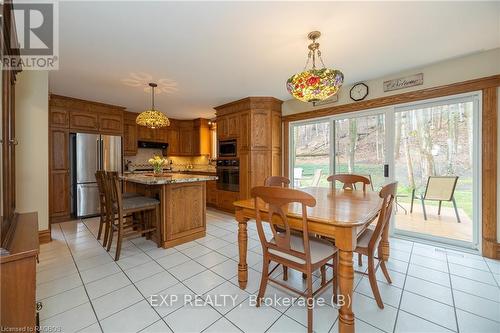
(340, 215)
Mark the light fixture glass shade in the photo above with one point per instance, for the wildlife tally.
(315, 85)
(152, 119)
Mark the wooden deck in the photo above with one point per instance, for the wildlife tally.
(444, 225)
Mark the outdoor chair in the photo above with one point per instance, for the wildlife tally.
(438, 188)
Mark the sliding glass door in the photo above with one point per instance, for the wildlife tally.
(436, 164)
(431, 148)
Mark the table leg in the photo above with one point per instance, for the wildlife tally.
(242, 247)
(345, 280)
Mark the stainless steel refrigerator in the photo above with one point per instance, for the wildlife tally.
(92, 152)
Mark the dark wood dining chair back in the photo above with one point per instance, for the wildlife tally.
(388, 194)
(277, 181)
(278, 200)
(349, 180)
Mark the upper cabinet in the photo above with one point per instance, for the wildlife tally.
(85, 116)
(129, 134)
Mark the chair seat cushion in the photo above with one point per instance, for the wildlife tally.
(139, 202)
(320, 249)
(365, 237)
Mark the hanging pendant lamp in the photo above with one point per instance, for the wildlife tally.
(315, 85)
(152, 118)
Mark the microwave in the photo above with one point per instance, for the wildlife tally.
(227, 148)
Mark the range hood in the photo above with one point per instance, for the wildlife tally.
(153, 145)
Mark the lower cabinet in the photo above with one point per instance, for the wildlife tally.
(212, 193)
(225, 200)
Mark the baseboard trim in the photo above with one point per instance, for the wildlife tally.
(44, 236)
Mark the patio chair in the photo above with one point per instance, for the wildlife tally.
(438, 188)
(316, 178)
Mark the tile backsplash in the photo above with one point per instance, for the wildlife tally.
(178, 162)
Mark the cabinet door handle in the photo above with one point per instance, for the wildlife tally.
(13, 142)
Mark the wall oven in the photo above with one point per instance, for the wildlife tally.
(227, 148)
(228, 173)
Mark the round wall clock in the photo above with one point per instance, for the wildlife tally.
(358, 92)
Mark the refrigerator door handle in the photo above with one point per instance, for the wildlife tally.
(103, 157)
(98, 159)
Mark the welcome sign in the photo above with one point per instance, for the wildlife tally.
(404, 82)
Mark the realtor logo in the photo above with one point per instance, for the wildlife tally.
(36, 32)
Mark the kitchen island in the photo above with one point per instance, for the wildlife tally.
(182, 203)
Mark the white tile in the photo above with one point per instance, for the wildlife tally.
(390, 294)
(91, 262)
(400, 255)
(323, 316)
(170, 299)
(401, 244)
(429, 251)
(155, 283)
(185, 246)
(182, 319)
(115, 301)
(428, 289)
(230, 251)
(55, 273)
(435, 264)
(160, 252)
(429, 275)
(131, 319)
(233, 296)
(477, 263)
(494, 265)
(186, 270)
(361, 327)
(222, 326)
(211, 259)
(132, 261)
(203, 282)
(71, 320)
(54, 287)
(397, 279)
(172, 260)
(396, 265)
(366, 309)
(62, 302)
(143, 271)
(227, 269)
(99, 272)
(410, 323)
(476, 288)
(196, 251)
(250, 318)
(469, 323)
(106, 285)
(94, 328)
(158, 327)
(287, 325)
(144, 244)
(430, 310)
(477, 305)
(472, 273)
(253, 281)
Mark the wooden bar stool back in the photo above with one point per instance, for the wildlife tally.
(145, 207)
(369, 241)
(349, 180)
(301, 252)
(100, 180)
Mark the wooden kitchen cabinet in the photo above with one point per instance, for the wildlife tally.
(222, 129)
(111, 123)
(173, 140)
(80, 120)
(233, 126)
(225, 200)
(186, 141)
(59, 177)
(212, 193)
(129, 139)
(145, 134)
(59, 117)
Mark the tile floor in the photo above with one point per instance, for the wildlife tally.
(84, 290)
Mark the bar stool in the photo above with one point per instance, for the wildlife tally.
(147, 208)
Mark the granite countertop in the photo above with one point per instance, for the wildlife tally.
(167, 178)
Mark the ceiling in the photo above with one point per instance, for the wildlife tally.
(205, 54)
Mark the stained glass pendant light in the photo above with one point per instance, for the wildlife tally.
(152, 118)
(315, 85)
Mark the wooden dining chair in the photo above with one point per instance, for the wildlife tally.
(148, 209)
(369, 240)
(349, 180)
(303, 252)
(277, 181)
